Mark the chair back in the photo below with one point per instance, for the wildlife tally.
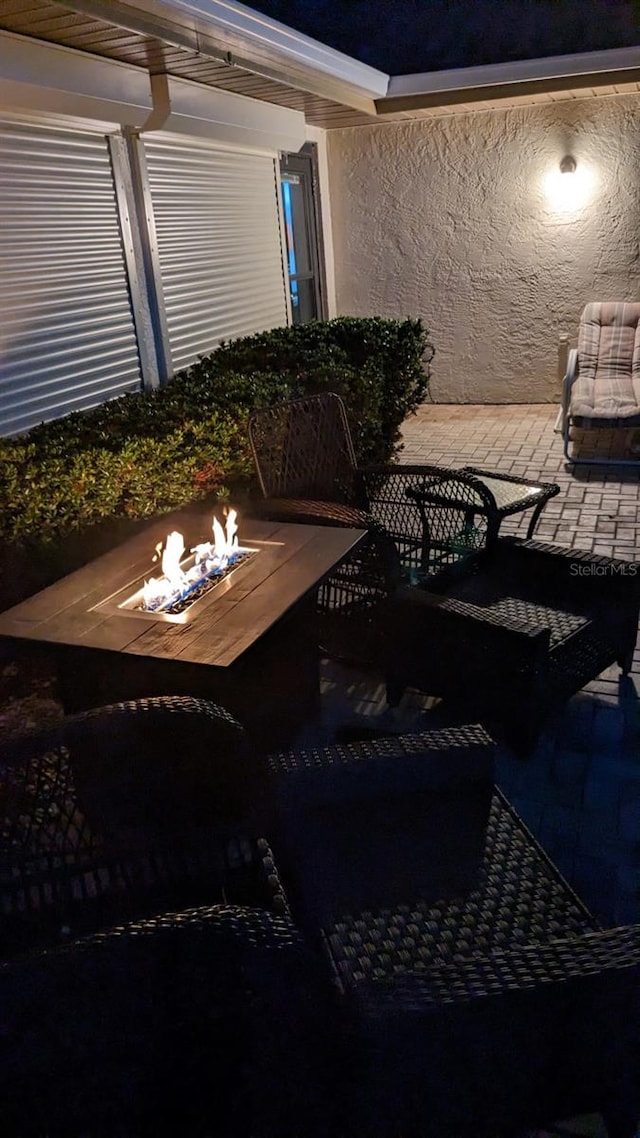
(608, 381)
(303, 449)
(112, 813)
(459, 519)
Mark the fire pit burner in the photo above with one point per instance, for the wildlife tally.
(185, 579)
(195, 588)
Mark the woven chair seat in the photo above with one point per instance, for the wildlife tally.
(525, 610)
(519, 898)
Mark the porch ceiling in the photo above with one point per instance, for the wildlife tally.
(223, 61)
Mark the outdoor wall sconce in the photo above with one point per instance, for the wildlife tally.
(568, 188)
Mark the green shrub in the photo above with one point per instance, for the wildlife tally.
(46, 493)
(379, 367)
(152, 451)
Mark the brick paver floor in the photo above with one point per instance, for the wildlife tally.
(580, 790)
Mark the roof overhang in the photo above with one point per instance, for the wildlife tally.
(226, 46)
(511, 80)
(238, 35)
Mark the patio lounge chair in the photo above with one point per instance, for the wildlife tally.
(601, 389)
(307, 468)
(121, 1010)
(505, 630)
(477, 1001)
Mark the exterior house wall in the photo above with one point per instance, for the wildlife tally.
(449, 219)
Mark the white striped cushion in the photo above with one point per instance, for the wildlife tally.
(608, 381)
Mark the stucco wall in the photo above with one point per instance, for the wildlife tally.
(449, 219)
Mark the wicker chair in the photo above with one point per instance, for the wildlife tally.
(307, 469)
(121, 1011)
(504, 629)
(479, 996)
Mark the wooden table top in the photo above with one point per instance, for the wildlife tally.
(82, 611)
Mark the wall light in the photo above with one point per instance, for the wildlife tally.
(569, 187)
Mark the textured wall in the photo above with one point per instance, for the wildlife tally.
(449, 219)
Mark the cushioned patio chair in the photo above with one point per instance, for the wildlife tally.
(601, 389)
(505, 630)
(121, 1010)
(308, 472)
(479, 996)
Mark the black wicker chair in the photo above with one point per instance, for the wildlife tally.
(504, 629)
(479, 996)
(307, 469)
(122, 1011)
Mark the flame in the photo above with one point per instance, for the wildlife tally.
(225, 541)
(172, 555)
(232, 531)
(209, 558)
(219, 541)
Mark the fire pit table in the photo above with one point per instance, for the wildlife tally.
(248, 642)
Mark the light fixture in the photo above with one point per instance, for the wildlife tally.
(568, 188)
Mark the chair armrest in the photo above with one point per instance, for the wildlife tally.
(501, 974)
(568, 382)
(434, 760)
(527, 1035)
(586, 573)
(208, 1013)
(310, 511)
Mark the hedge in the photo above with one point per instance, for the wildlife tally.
(149, 452)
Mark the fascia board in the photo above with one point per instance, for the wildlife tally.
(208, 16)
(37, 76)
(439, 88)
(304, 64)
(186, 108)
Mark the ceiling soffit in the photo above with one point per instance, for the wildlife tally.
(190, 55)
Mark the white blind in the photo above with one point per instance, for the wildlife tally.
(219, 247)
(67, 339)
